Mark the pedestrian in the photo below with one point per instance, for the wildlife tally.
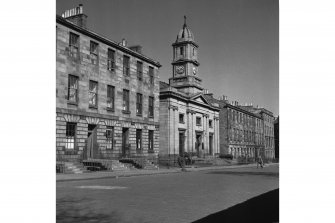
(260, 161)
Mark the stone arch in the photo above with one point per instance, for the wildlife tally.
(93, 121)
(71, 118)
(109, 122)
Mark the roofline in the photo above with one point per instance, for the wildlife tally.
(169, 93)
(109, 42)
(227, 105)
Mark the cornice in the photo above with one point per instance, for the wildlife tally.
(102, 39)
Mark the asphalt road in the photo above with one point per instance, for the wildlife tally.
(178, 197)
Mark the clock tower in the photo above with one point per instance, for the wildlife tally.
(185, 63)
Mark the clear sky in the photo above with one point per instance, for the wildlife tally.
(238, 40)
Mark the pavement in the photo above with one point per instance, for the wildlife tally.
(141, 172)
(208, 194)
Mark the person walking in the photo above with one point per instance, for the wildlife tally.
(260, 161)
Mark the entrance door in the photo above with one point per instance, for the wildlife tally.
(198, 143)
(211, 144)
(125, 142)
(92, 147)
(181, 143)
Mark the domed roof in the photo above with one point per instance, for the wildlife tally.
(185, 33)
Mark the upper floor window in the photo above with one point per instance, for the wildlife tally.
(72, 94)
(193, 51)
(151, 75)
(126, 100)
(151, 106)
(126, 65)
(110, 97)
(93, 94)
(198, 120)
(181, 118)
(139, 104)
(109, 137)
(210, 123)
(74, 44)
(111, 59)
(94, 52)
(139, 70)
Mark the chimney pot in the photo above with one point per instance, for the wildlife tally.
(124, 42)
(81, 9)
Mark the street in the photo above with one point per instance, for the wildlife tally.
(177, 197)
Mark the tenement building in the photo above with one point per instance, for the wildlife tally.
(107, 94)
(188, 122)
(241, 131)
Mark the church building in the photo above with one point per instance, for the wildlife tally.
(188, 122)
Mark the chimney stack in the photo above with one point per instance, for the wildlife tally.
(76, 16)
(136, 48)
(123, 42)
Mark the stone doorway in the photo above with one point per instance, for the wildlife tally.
(210, 144)
(198, 143)
(181, 143)
(92, 146)
(125, 142)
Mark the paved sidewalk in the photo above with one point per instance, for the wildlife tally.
(139, 172)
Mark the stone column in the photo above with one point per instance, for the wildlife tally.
(218, 134)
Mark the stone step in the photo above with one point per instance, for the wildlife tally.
(73, 167)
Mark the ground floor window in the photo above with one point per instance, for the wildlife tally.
(70, 135)
(138, 139)
(109, 137)
(151, 141)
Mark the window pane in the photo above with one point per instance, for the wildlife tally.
(94, 47)
(151, 75)
(138, 139)
(93, 89)
(151, 140)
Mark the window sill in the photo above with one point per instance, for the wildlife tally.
(198, 125)
(72, 103)
(151, 117)
(110, 109)
(151, 151)
(181, 122)
(93, 107)
(139, 115)
(126, 112)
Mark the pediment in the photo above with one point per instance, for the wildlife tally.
(200, 99)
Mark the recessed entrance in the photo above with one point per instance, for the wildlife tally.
(92, 146)
(181, 142)
(211, 144)
(125, 142)
(198, 142)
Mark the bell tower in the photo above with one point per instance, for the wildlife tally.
(185, 63)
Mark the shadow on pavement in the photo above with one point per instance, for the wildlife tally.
(241, 173)
(72, 210)
(263, 208)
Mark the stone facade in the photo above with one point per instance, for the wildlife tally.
(188, 123)
(241, 131)
(84, 105)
